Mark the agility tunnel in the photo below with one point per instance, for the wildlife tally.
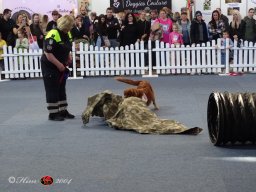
(231, 118)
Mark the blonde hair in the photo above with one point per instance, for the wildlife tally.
(65, 23)
(239, 18)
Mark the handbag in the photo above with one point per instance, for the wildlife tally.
(33, 43)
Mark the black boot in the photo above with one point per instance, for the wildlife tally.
(65, 114)
(56, 117)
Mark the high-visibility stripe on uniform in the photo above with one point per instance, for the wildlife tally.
(63, 105)
(53, 107)
(56, 36)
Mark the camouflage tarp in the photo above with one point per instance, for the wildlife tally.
(131, 114)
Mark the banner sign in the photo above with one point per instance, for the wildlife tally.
(136, 5)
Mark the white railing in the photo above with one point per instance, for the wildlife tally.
(21, 63)
(131, 60)
(95, 61)
(204, 59)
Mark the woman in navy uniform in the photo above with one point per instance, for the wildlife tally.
(54, 61)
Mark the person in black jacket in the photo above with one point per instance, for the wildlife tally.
(78, 31)
(6, 26)
(112, 27)
(129, 32)
(143, 27)
(86, 21)
(53, 23)
(198, 30)
(100, 30)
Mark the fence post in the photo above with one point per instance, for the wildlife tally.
(150, 68)
(227, 55)
(74, 59)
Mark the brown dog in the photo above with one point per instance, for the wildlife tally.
(143, 89)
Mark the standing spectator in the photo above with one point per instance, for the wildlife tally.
(236, 27)
(6, 26)
(120, 17)
(21, 24)
(198, 30)
(112, 27)
(169, 13)
(216, 26)
(26, 18)
(184, 28)
(147, 11)
(78, 31)
(101, 30)
(53, 23)
(155, 33)
(129, 32)
(175, 37)
(153, 16)
(224, 18)
(44, 23)
(93, 17)
(36, 30)
(86, 22)
(176, 17)
(143, 27)
(249, 26)
(166, 25)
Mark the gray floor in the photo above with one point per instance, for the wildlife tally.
(97, 158)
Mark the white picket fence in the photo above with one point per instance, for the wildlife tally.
(131, 60)
(21, 63)
(95, 61)
(204, 59)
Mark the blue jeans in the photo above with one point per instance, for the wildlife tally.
(223, 58)
(98, 42)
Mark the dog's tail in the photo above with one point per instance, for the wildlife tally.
(128, 81)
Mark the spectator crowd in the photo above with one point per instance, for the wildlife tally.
(125, 28)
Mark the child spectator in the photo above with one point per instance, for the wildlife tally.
(21, 41)
(175, 37)
(2, 43)
(224, 40)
